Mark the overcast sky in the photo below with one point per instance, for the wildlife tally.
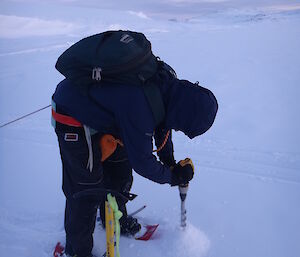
(173, 4)
(168, 9)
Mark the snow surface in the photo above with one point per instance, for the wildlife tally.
(244, 199)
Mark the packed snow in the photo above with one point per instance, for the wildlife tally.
(244, 198)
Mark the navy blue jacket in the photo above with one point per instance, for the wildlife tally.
(123, 110)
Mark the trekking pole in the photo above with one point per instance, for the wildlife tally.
(182, 192)
(137, 211)
(20, 118)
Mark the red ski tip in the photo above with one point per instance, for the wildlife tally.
(59, 250)
(150, 229)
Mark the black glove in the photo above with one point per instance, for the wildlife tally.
(182, 172)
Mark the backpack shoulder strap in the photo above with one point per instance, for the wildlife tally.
(155, 100)
(153, 94)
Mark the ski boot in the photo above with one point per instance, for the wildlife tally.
(129, 226)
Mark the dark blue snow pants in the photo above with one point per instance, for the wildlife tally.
(114, 173)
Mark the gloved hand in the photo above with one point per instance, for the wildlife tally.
(182, 172)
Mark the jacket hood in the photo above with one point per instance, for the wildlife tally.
(189, 107)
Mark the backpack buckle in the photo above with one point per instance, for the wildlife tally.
(96, 74)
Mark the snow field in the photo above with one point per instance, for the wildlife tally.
(244, 199)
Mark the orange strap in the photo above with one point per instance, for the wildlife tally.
(66, 120)
(163, 144)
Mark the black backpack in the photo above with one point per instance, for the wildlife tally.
(115, 57)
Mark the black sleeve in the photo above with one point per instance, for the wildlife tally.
(166, 154)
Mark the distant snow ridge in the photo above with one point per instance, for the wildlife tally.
(17, 27)
(139, 14)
